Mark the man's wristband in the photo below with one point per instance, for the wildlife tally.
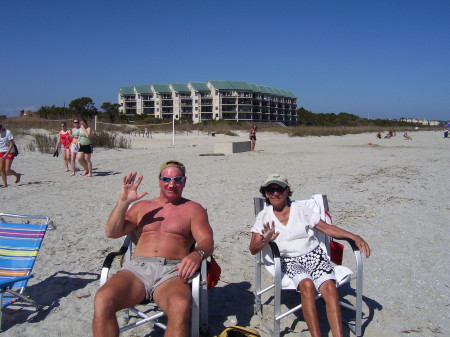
(201, 252)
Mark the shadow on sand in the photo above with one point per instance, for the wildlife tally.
(47, 294)
(291, 298)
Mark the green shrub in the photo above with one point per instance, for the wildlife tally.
(44, 143)
(110, 140)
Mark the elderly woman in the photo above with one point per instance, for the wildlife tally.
(7, 154)
(290, 224)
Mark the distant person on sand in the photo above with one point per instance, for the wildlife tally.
(446, 134)
(86, 149)
(291, 225)
(379, 135)
(252, 136)
(74, 145)
(406, 136)
(63, 144)
(7, 154)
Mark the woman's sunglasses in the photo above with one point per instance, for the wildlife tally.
(279, 189)
(175, 179)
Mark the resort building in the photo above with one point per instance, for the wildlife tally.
(212, 100)
(418, 121)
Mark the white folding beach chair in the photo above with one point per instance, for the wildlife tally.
(270, 258)
(199, 306)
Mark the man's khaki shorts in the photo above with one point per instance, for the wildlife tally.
(152, 271)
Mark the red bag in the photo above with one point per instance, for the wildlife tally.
(213, 274)
(336, 251)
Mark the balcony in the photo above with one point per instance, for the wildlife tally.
(228, 100)
(229, 116)
(244, 116)
(228, 108)
(206, 116)
(206, 102)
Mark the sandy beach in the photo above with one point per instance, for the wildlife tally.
(394, 192)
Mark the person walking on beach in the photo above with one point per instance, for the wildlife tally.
(86, 149)
(74, 145)
(252, 136)
(63, 144)
(7, 154)
(167, 227)
(290, 225)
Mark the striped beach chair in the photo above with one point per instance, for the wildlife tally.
(20, 240)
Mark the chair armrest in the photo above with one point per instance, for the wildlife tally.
(111, 256)
(351, 243)
(10, 282)
(275, 250)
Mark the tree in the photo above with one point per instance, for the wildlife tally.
(111, 112)
(305, 117)
(84, 106)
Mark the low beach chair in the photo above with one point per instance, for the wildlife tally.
(270, 258)
(20, 240)
(199, 306)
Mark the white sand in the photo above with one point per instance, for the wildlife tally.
(395, 193)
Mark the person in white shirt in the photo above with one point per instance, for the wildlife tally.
(7, 154)
(290, 224)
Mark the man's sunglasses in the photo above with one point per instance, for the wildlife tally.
(174, 179)
(76, 122)
(279, 189)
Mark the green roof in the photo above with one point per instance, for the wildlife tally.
(199, 86)
(143, 89)
(180, 87)
(162, 88)
(264, 89)
(203, 86)
(230, 85)
(126, 90)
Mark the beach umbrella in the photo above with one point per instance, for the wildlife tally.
(447, 125)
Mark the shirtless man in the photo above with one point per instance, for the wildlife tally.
(167, 226)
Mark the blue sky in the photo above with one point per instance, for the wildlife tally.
(373, 58)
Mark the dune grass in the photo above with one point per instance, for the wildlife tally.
(113, 136)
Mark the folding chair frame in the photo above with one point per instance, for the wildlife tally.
(277, 285)
(7, 284)
(199, 305)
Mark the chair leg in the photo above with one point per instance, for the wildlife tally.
(204, 326)
(359, 291)
(1, 311)
(277, 298)
(195, 306)
(257, 307)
